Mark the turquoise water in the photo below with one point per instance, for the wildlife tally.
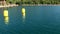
(39, 20)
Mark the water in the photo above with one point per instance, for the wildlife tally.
(39, 20)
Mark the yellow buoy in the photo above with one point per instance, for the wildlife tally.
(6, 17)
(5, 12)
(23, 13)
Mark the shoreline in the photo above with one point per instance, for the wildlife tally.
(9, 5)
(14, 5)
(40, 4)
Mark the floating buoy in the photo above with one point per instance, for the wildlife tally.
(6, 17)
(23, 13)
(5, 12)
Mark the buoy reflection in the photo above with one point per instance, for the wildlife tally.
(6, 20)
(6, 17)
(23, 14)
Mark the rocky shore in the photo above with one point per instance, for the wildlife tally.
(40, 4)
(9, 5)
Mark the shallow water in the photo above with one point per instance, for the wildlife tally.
(39, 20)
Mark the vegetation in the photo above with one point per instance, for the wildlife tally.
(13, 2)
(33, 1)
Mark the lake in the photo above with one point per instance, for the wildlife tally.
(38, 20)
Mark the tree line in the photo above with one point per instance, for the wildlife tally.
(33, 1)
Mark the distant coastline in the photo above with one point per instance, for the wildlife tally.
(9, 5)
(14, 5)
(40, 4)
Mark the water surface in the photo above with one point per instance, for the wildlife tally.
(39, 20)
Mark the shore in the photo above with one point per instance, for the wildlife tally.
(13, 5)
(40, 4)
(9, 5)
